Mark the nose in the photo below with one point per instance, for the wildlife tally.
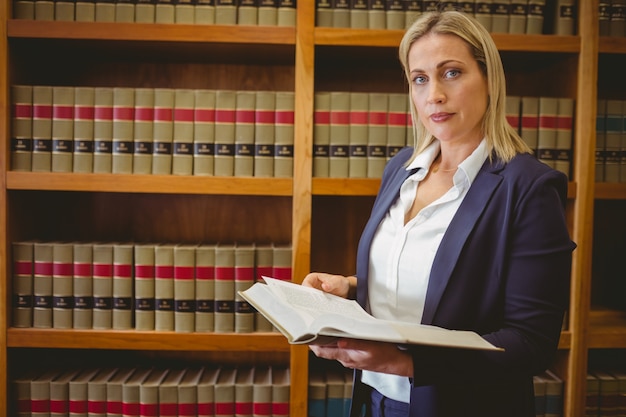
(436, 93)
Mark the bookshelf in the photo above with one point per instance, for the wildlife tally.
(321, 217)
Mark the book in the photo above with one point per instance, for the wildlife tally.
(102, 285)
(613, 136)
(42, 285)
(182, 152)
(262, 392)
(281, 384)
(482, 13)
(131, 388)
(60, 393)
(205, 288)
(395, 14)
(396, 123)
(62, 285)
(600, 157)
(204, 12)
(40, 393)
(341, 13)
(620, 376)
(316, 393)
(188, 393)
(207, 396)
(125, 11)
(44, 10)
(268, 12)
(609, 391)
(539, 388)
(85, 11)
(244, 278)
(225, 12)
(24, 9)
(97, 392)
(617, 19)
(339, 134)
(359, 14)
(123, 128)
(334, 392)
(168, 393)
(103, 130)
(184, 288)
(535, 17)
(83, 286)
(22, 284)
(323, 13)
(413, 10)
(122, 312)
(105, 11)
(306, 315)
(321, 134)
(164, 287)
(225, 392)
(225, 114)
(247, 12)
(281, 268)
(115, 394)
(564, 22)
(42, 129)
(286, 13)
(264, 133)
(264, 263)
(78, 392)
(554, 394)
(144, 286)
(143, 130)
(244, 133)
(500, 15)
(513, 107)
(564, 126)
(546, 134)
(518, 16)
(64, 10)
(83, 129)
(224, 316)
(184, 12)
(377, 134)
(163, 131)
(145, 11)
(244, 384)
(62, 128)
(21, 127)
(204, 132)
(21, 392)
(149, 393)
(284, 134)
(348, 376)
(358, 135)
(165, 11)
(529, 127)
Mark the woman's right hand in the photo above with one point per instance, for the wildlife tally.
(339, 285)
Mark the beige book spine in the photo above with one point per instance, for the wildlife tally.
(144, 286)
(204, 132)
(323, 13)
(122, 286)
(184, 12)
(564, 126)
(22, 393)
(83, 286)
(60, 393)
(145, 11)
(244, 133)
(64, 10)
(115, 392)
(244, 278)
(188, 392)
(123, 126)
(268, 12)
(44, 10)
(85, 11)
(131, 396)
(62, 285)
(612, 146)
(282, 262)
(262, 392)
(565, 23)
(165, 12)
(168, 394)
(518, 17)
(225, 107)
(83, 129)
(21, 127)
(264, 132)
(501, 12)
(164, 287)
(24, 9)
(395, 14)
(206, 395)
(263, 267)
(97, 392)
(143, 130)
(244, 384)
(283, 148)
(163, 131)
(358, 131)
(42, 129)
(321, 134)
(105, 11)
(102, 286)
(377, 135)
(339, 134)
(286, 13)
(513, 107)
(483, 13)
(413, 11)
(204, 12)
(359, 14)
(78, 397)
(535, 17)
(247, 12)
(396, 123)
(22, 284)
(341, 13)
(225, 391)
(224, 288)
(184, 288)
(42, 285)
(546, 135)
(376, 18)
(40, 393)
(225, 12)
(103, 130)
(149, 393)
(529, 126)
(62, 128)
(182, 152)
(281, 383)
(205, 288)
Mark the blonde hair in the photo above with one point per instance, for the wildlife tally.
(500, 136)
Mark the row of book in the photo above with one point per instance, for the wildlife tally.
(254, 391)
(548, 388)
(606, 393)
(163, 287)
(612, 17)
(201, 12)
(497, 16)
(611, 141)
(161, 131)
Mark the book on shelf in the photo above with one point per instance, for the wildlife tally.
(102, 286)
(483, 13)
(125, 11)
(24, 9)
(85, 11)
(165, 12)
(513, 106)
(600, 157)
(284, 134)
(225, 12)
(206, 396)
(44, 10)
(205, 288)
(184, 12)
(377, 134)
(396, 123)
(83, 129)
(286, 13)
(553, 397)
(617, 18)
(264, 263)
(42, 285)
(339, 134)
(395, 14)
(281, 383)
(334, 392)
(144, 286)
(321, 134)
(316, 406)
(309, 316)
(564, 126)
(83, 286)
(182, 152)
(188, 403)
(262, 392)
(225, 114)
(264, 133)
(281, 268)
(539, 389)
(114, 391)
(123, 126)
(42, 129)
(204, 12)
(535, 17)
(608, 393)
(168, 393)
(323, 13)
(546, 133)
(143, 130)
(244, 133)
(529, 127)
(145, 11)
(97, 392)
(131, 405)
(78, 392)
(164, 288)
(376, 18)
(224, 315)
(64, 10)
(204, 132)
(40, 391)
(358, 134)
(62, 128)
(103, 130)
(613, 137)
(244, 384)
(267, 13)
(244, 278)
(500, 15)
(60, 392)
(413, 10)
(22, 284)
(341, 13)
(22, 393)
(149, 393)
(184, 288)
(105, 11)
(518, 16)
(564, 17)
(21, 127)
(225, 392)
(163, 131)
(122, 280)
(247, 12)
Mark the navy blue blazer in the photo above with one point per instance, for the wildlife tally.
(502, 270)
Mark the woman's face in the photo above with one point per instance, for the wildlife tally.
(448, 88)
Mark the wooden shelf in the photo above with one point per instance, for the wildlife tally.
(144, 340)
(162, 184)
(610, 191)
(346, 186)
(607, 329)
(612, 45)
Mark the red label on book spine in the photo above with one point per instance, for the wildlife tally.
(183, 272)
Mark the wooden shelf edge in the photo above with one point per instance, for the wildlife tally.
(146, 340)
(565, 341)
(346, 186)
(161, 184)
(612, 45)
(610, 191)
(268, 35)
(607, 328)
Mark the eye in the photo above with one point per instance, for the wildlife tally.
(450, 74)
(420, 79)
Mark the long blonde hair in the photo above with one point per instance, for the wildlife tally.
(501, 137)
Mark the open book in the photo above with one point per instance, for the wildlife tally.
(306, 315)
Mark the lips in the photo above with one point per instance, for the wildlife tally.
(440, 117)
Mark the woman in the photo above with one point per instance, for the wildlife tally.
(467, 232)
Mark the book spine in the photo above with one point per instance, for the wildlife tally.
(604, 17)
(83, 129)
(131, 405)
(59, 393)
(323, 13)
(377, 134)
(224, 288)
(284, 130)
(42, 285)
(358, 135)
(149, 393)
(163, 131)
(85, 11)
(64, 10)
(102, 286)
(280, 391)
(144, 287)
(334, 392)
(205, 397)
(62, 288)
(225, 12)
(165, 12)
(263, 263)
(24, 9)
(78, 397)
(205, 288)
(396, 123)
(247, 12)
(395, 14)
(103, 130)
(123, 117)
(376, 18)
(513, 106)
(281, 268)
(341, 13)
(123, 286)
(317, 393)
(339, 134)
(286, 13)
(62, 128)
(184, 12)
(500, 15)
(225, 110)
(143, 130)
(321, 135)
(243, 391)
(168, 394)
(22, 284)
(262, 392)
(97, 393)
(264, 133)
(244, 278)
(188, 393)
(42, 129)
(358, 14)
(617, 20)
(204, 12)
(518, 17)
(182, 153)
(483, 13)
(164, 287)
(225, 393)
(564, 124)
(244, 133)
(530, 122)
(105, 11)
(114, 393)
(184, 288)
(44, 10)
(145, 11)
(22, 394)
(546, 135)
(414, 10)
(83, 286)
(613, 140)
(565, 18)
(204, 132)
(600, 157)
(535, 17)
(21, 127)
(268, 12)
